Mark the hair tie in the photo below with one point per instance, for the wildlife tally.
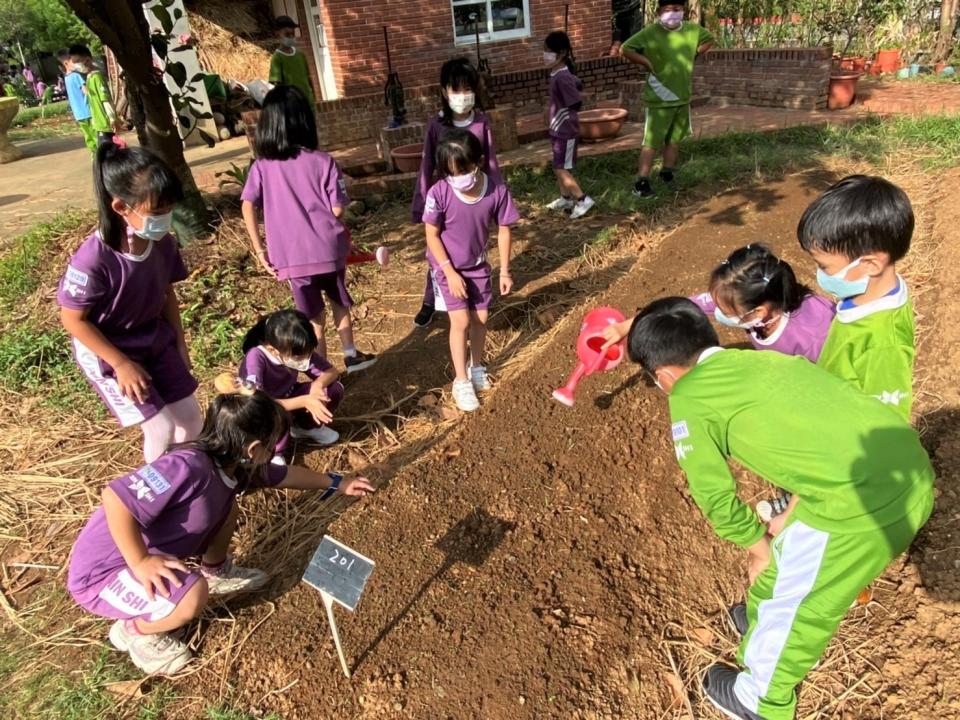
(229, 384)
(766, 279)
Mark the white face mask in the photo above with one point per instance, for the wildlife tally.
(672, 19)
(462, 182)
(549, 58)
(737, 321)
(288, 42)
(298, 365)
(155, 227)
(461, 102)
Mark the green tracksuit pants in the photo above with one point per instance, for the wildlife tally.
(797, 603)
(89, 135)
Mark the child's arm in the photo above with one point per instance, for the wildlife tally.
(300, 478)
(503, 244)
(456, 283)
(324, 380)
(309, 402)
(132, 379)
(171, 313)
(150, 570)
(252, 223)
(637, 58)
(704, 47)
(614, 334)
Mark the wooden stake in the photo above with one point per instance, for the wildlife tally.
(328, 604)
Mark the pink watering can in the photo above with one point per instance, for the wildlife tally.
(589, 350)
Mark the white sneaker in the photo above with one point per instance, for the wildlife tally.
(582, 207)
(322, 435)
(465, 396)
(561, 203)
(479, 379)
(235, 579)
(157, 653)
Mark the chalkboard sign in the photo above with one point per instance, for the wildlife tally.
(339, 572)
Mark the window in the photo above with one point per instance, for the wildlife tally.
(495, 19)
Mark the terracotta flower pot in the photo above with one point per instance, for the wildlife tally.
(601, 123)
(843, 89)
(9, 107)
(888, 60)
(854, 64)
(407, 157)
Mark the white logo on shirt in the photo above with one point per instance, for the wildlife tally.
(74, 290)
(892, 398)
(431, 204)
(682, 450)
(342, 184)
(139, 487)
(680, 431)
(157, 482)
(76, 276)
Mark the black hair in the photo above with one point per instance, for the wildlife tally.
(459, 148)
(752, 276)
(135, 176)
(80, 50)
(63, 54)
(661, 3)
(282, 22)
(233, 422)
(670, 331)
(458, 74)
(559, 42)
(286, 125)
(859, 215)
(289, 331)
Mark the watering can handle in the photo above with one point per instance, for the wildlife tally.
(596, 363)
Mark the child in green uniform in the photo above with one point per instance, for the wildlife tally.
(667, 49)
(862, 486)
(103, 117)
(856, 232)
(288, 66)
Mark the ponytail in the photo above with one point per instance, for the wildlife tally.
(559, 42)
(256, 335)
(134, 176)
(752, 276)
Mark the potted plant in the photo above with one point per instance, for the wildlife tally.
(889, 38)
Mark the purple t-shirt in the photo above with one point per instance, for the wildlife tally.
(465, 225)
(124, 296)
(298, 196)
(479, 125)
(801, 332)
(565, 101)
(272, 376)
(180, 500)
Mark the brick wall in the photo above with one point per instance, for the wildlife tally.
(421, 39)
(787, 77)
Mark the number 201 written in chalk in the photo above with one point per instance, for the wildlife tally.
(341, 560)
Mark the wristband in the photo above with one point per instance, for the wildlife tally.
(335, 481)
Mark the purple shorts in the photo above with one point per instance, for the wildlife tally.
(122, 597)
(302, 418)
(564, 153)
(308, 292)
(479, 290)
(170, 379)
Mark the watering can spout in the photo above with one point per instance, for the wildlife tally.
(591, 353)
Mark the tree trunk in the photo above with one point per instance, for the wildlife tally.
(948, 23)
(122, 26)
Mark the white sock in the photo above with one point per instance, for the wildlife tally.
(350, 352)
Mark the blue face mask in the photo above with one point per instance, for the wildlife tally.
(838, 284)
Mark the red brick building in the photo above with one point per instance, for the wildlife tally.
(345, 37)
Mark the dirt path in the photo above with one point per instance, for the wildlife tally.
(529, 565)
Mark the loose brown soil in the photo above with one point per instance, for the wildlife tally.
(536, 561)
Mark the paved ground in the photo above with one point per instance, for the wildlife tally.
(54, 174)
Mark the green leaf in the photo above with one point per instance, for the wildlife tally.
(185, 121)
(178, 72)
(198, 77)
(177, 13)
(162, 15)
(159, 44)
(207, 138)
(203, 116)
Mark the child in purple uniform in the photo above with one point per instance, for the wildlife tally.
(276, 350)
(118, 304)
(303, 194)
(565, 102)
(128, 562)
(458, 214)
(459, 83)
(758, 292)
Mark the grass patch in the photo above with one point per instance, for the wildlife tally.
(932, 141)
(38, 362)
(20, 266)
(216, 313)
(62, 127)
(30, 114)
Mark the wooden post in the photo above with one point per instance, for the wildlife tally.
(328, 604)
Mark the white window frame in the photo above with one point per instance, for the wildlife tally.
(490, 35)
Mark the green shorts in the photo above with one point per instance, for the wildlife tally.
(666, 126)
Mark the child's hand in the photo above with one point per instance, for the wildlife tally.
(758, 558)
(318, 411)
(133, 380)
(265, 263)
(319, 390)
(457, 285)
(154, 569)
(506, 283)
(357, 487)
(775, 526)
(614, 334)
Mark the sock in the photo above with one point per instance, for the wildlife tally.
(580, 199)
(350, 352)
(131, 626)
(212, 568)
(667, 174)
